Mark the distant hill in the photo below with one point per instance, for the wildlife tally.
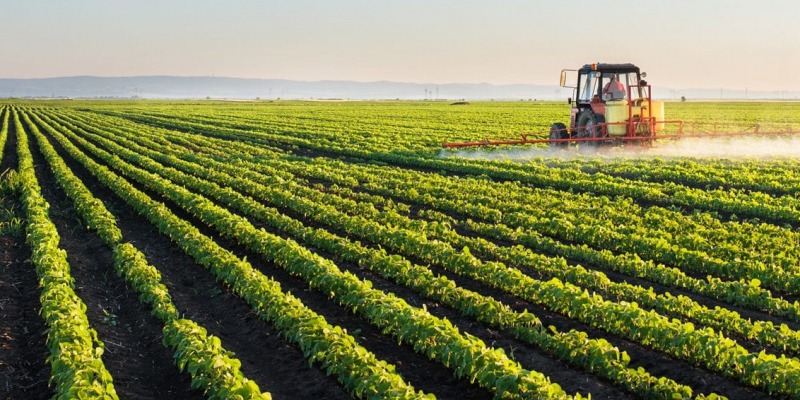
(173, 87)
(240, 88)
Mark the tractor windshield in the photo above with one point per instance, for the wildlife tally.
(587, 87)
(617, 90)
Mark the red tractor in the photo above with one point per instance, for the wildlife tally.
(611, 101)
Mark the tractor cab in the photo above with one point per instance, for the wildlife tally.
(595, 82)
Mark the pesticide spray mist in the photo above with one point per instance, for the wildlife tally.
(743, 147)
(758, 147)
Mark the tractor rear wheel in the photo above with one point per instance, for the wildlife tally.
(589, 127)
(558, 131)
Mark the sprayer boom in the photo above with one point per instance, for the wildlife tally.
(642, 135)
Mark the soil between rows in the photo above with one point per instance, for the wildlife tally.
(23, 350)
(710, 382)
(424, 374)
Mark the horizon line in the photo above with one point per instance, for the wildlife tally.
(364, 82)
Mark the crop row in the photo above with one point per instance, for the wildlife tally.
(624, 226)
(735, 292)
(745, 293)
(739, 293)
(77, 369)
(768, 243)
(382, 128)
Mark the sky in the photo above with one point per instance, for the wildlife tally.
(679, 43)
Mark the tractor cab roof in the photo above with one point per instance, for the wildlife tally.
(622, 68)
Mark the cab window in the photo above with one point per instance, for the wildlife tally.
(626, 79)
(587, 87)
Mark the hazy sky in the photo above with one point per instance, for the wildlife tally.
(680, 43)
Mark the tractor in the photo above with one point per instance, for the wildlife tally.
(610, 101)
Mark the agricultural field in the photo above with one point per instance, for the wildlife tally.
(334, 250)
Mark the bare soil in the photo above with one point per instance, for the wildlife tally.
(23, 371)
